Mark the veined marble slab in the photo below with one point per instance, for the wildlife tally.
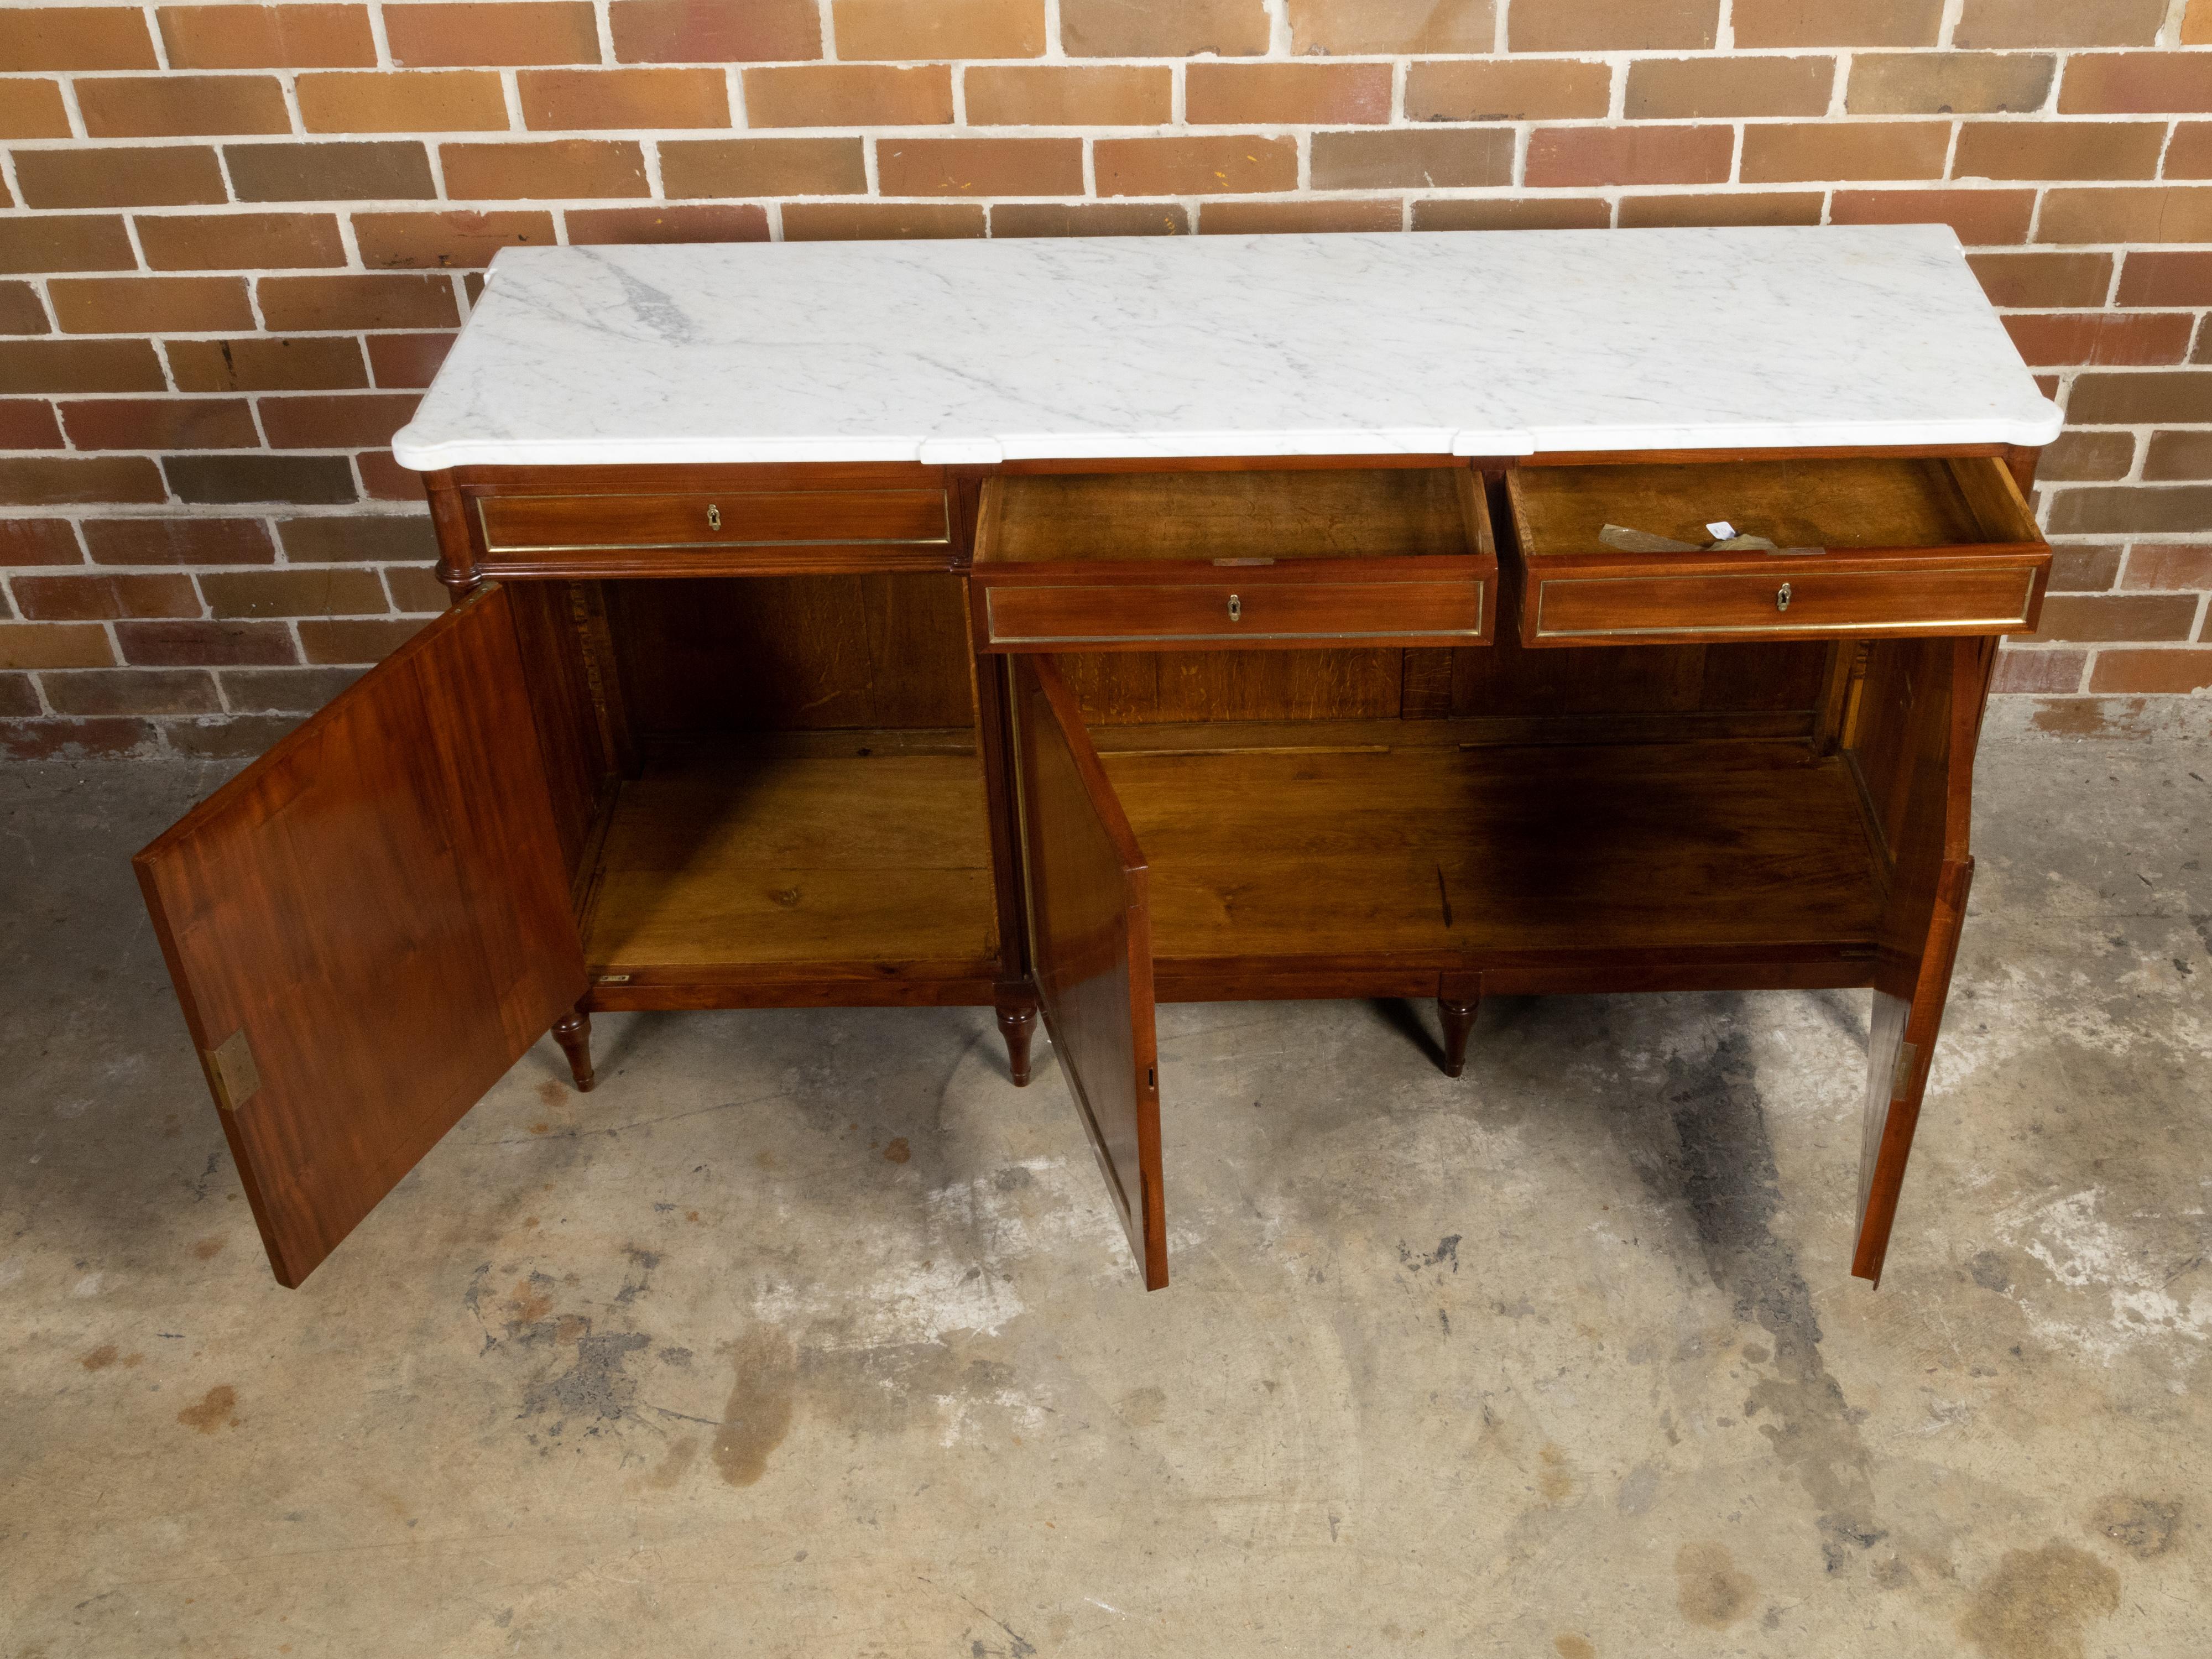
(1472, 342)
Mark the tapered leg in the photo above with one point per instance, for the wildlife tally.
(572, 1032)
(1458, 1020)
(1017, 1014)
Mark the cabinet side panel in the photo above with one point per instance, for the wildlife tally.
(577, 764)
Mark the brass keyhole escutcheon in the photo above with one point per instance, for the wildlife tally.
(1782, 596)
(1236, 609)
(714, 517)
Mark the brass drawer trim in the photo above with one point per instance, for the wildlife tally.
(2018, 619)
(494, 549)
(1481, 623)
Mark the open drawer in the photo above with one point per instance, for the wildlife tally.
(1230, 561)
(1864, 547)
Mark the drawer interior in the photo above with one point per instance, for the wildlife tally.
(1238, 517)
(1853, 503)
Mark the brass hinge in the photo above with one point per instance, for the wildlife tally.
(232, 1072)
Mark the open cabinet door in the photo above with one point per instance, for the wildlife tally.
(368, 925)
(1091, 947)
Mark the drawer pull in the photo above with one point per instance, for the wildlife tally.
(714, 516)
(1782, 596)
(1236, 609)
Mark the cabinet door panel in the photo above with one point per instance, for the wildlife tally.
(1091, 948)
(368, 925)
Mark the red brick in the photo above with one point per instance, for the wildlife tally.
(349, 302)
(453, 100)
(359, 538)
(235, 737)
(1056, 95)
(369, 171)
(1421, 158)
(467, 32)
(416, 590)
(1787, 151)
(181, 106)
(161, 423)
(902, 31)
(266, 363)
(40, 244)
(64, 480)
(309, 480)
(323, 591)
(1270, 94)
(2179, 455)
(2078, 618)
(167, 541)
(284, 691)
(555, 167)
(17, 697)
(1341, 29)
(51, 645)
(383, 479)
(763, 167)
(2043, 280)
(21, 311)
(73, 38)
(712, 32)
(2131, 509)
(204, 644)
(119, 175)
(2086, 457)
(33, 109)
(1723, 207)
(240, 241)
(459, 239)
(2197, 24)
(1089, 219)
(1564, 156)
(407, 360)
(360, 642)
(2168, 566)
(344, 421)
(1513, 213)
(1979, 216)
(1502, 90)
(1945, 83)
(36, 365)
(52, 739)
(1163, 28)
(29, 423)
(2122, 213)
(979, 166)
(103, 598)
(39, 541)
(2135, 83)
(2151, 672)
(1230, 164)
(2059, 22)
(2173, 397)
(120, 305)
(1717, 88)
(2101, 338)
(2059, 150)
(268, 36)
(558, 100)
(2190, 155)
(868, 222)
(1836, 22)
(2046, 671)
(664, 222)
(847, 96)
(133, 691)
(1272, 215)
(1630, 25)
(2084, 566)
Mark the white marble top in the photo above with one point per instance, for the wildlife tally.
(1474, 343)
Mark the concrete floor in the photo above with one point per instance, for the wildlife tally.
(807, 1334)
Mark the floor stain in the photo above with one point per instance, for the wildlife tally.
(1554, 1478)
(2143, 1527)
(1141, 1408)
(898, 1151)
(1708, 1588)
(213, 1412)
(1568, 1645)
(208, 1248)
(596, 1387)
(550, 1093)
(99, 1358)
(533, 1299)
(2034, 1605)
(761, 1405)
(669, 1470)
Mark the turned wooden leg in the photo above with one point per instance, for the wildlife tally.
(1458, 1020)
(572, 1032)
(1018, 1014)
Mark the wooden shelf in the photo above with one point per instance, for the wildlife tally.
(864, 854)
(1543, 860)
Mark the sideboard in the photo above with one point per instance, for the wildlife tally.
(1072, 626)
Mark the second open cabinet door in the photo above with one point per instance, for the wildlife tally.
(1090, 933)
(368, 925)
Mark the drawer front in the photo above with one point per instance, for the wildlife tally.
(1788, 601)
(586, 523)
(1136, 616)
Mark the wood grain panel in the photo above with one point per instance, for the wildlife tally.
(1235, 614)
(514, 524)
(1783, 599)
(368, 925)
(1091, 949)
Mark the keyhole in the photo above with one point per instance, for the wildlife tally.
(714, 517)
(1236, 609)
(1782, 597)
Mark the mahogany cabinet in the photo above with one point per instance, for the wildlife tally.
(1087, 736)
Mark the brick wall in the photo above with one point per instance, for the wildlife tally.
(235, 240)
